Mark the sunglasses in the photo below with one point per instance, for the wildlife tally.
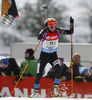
(26, 52)
(52, 27)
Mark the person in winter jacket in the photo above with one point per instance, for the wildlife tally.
(65, 72)
(80, 73)
(12, 68)
(32, 67)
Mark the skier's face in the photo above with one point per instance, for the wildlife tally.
(61, 62)
(76, 59)
(52, 29)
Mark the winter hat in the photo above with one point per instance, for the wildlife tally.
(62, 59)
(30, 51)
(5, 61)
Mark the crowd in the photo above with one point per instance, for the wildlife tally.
(9, 66)
(80, 73)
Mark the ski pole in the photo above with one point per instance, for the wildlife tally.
(26, 66)
(71, 62)
(45, 9)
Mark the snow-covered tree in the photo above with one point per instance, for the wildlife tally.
(32, 17)
(87, 19)
(8, 36)
(90, 23)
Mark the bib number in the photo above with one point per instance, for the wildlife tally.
(51, 43)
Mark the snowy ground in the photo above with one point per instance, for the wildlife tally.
(11, 98)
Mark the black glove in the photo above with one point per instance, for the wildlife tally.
(71, 20)
(39, 37)
(71, 25)
(42, 33)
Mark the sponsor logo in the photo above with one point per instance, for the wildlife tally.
(51, 37)
(26, 93)
(19, 93)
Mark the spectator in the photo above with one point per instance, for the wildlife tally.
(66, 71)
(12, 68)
(65, 74)
(80, 73)
(2, 66)
(4, 61)
(90, 70)
(78, 69)
(32, 67)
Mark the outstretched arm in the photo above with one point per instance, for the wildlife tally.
(68, 32)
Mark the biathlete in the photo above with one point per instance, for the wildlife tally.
(49, 37)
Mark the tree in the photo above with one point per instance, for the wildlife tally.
(89, 10)
(32, 20)
(8, 37)
(90, 24)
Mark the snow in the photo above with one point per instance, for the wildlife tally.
(11, 98)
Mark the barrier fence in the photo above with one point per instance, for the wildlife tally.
(25, 87)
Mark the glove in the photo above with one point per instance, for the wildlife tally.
(71, 20)
(42, 33)
(39, 37)
(71, 24)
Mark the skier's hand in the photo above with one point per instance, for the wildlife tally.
(72, 25)
(71, 20)
(42, 33)
(39, 37)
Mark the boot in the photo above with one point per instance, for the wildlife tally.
(55, 92)
(35, 94)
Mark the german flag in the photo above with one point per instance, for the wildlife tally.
(9, 12)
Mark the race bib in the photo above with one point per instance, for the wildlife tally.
(51, 43)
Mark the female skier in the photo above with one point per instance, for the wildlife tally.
(50, 36)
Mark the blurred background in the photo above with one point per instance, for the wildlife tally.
(31, 21)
